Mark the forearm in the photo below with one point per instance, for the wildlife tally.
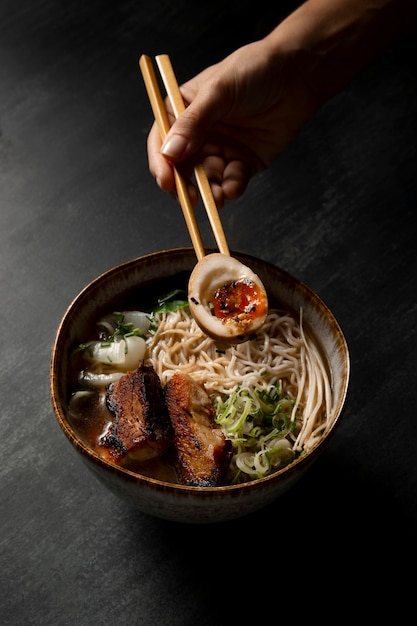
(331, 41)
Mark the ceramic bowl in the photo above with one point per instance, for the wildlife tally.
(164, 499)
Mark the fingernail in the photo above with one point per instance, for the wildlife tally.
(174, 146)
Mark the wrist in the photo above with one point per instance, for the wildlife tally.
(329, 43)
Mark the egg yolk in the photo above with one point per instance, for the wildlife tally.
(240, 301)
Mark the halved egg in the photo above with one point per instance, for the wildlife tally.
(227, 299)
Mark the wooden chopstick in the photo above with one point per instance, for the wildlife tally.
(161, 117)
(170, 82)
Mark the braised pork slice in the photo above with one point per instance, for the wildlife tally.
(201, 451)
(141, 428)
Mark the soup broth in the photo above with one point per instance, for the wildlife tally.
(289, 360)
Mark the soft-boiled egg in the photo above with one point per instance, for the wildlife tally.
(227, 299)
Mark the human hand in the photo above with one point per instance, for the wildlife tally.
(244, 111)
(240, 114)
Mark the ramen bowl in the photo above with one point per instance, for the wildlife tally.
(122, 287)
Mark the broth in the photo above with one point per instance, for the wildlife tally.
(88, 413)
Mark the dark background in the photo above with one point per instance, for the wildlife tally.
(337, 210)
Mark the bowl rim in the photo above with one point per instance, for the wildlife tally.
(90, 455)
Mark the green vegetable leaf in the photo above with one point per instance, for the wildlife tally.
(124, 329)
(173, 301)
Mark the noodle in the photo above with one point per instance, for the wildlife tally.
(271, 395)
(282, 353)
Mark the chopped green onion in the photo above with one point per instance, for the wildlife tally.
(258, 422)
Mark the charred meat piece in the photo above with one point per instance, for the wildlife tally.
(141, 429)
(201, 451)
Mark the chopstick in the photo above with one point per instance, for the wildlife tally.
(158, 107)
(170, 82)
(161, 117)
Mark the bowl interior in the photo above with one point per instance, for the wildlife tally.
(139, 280)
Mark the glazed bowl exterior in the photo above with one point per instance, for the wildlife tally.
(162, 499)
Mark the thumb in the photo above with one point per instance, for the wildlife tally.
(189, 131)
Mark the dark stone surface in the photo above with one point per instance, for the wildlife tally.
(76, 198)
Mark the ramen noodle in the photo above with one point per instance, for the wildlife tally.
(272, 394)
(281, 356)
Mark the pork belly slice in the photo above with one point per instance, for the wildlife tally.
(141, 429)
(201, 451)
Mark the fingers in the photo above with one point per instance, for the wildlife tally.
(189, 131)
(228, 180)
(159, 167)
(188, 140)
(163, 171)
(235, 180)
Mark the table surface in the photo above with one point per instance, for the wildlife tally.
(337, 210)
